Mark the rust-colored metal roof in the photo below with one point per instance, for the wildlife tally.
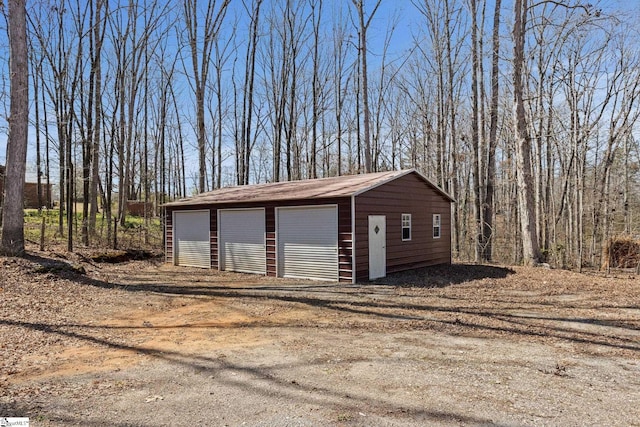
(322, 188)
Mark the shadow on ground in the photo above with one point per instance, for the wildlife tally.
(465, 312)
(438, 276)
(366, 307)
(266, 380)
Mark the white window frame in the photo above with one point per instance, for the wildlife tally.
(437, 226)
(406, 224)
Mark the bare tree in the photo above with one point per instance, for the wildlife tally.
(316, 16)
(294, 24)
(341, 78)
(200, 60)
(294, 95)
(363, 26)
(280, 79)
(441, 103)
(488, 213)
(96, 81)
(245, 143)
(526, 204)
(476, 140)
(37, 74)
(623, 87)
(222, 54)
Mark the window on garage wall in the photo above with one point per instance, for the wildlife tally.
(406, 227)
(436, 226)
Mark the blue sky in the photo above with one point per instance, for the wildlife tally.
(408, 25)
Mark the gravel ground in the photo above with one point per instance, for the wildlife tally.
(143, 343)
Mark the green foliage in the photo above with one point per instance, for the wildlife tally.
(132, 235)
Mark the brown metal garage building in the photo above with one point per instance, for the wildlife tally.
(347, 228)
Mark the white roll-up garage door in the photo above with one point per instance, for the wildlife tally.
(241, 235)
(308, 242)
(191, 243)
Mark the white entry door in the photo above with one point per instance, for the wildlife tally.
(377, 246)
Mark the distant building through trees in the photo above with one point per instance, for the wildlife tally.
(31, 200)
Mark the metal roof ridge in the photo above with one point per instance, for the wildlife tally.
(202, 197)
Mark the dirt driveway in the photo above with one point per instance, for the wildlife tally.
(147, 344)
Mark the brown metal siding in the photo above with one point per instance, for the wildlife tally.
(30, 192)
(408, 194)
(271, 253)
(345, 241)
(168, 236)
(213, 224)
(31, 195)
(344, 230)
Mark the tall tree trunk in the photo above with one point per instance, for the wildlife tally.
(87, 143)
(109, 149)
(526, 203)
(476, 142)
(144, 172)
(13, 221)
(200, 60)
(626, 187)
(96, 71)
(453, 156)
(339, 58)
(364, 87)
(37, 75)
(47, 170)
(316, 16)
(488, 231)
(219, 63)
(244, 156)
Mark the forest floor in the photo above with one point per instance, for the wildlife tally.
(143, 343)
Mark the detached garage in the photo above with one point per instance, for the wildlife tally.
(346, 229)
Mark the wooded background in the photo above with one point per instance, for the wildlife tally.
(525, 112)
